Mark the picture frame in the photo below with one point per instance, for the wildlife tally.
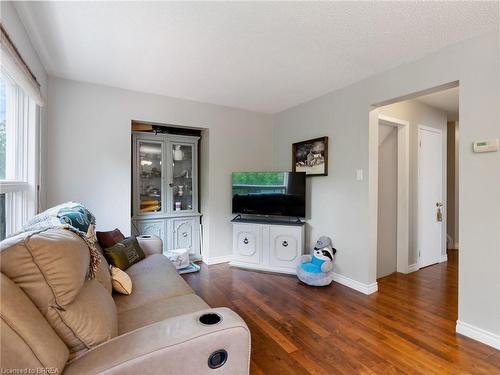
(311, 156)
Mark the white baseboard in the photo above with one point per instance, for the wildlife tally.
(444, 258)
(356, 285)
(478, 334)
(217, 260)
(413, 267)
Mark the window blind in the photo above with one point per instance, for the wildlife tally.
(15, 67)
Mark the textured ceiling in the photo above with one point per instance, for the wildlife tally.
(261, 56)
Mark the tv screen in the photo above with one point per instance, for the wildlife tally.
(269, 193)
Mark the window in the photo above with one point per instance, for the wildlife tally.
(18, 156)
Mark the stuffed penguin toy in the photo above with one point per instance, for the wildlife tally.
(316, 269)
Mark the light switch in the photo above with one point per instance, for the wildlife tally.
(359, 174)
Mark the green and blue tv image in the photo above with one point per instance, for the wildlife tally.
(269, 193)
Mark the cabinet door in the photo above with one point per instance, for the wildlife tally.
(183, 176)
(285, 247)
(152, 227)
(149, 194)
(247, 243)
(185, 235)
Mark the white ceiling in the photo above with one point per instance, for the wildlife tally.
(261, 56)
(446, 100)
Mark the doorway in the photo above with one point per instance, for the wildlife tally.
(428, 115)
(393, 194)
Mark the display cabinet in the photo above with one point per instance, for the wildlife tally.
(165, 189)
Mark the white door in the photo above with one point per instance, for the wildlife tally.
(430, 195)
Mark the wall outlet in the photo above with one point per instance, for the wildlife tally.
(359, 174)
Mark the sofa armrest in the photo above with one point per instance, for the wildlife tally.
(150, 244)
(179, 345)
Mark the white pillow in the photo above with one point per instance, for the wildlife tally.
(120, 280)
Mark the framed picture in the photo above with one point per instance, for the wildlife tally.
(311, 157)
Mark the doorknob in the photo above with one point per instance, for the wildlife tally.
(439, 204)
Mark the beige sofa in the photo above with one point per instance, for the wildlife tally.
(54, 319)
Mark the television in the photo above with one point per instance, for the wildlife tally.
(269, 193)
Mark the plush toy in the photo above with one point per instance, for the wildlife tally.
(317, 269)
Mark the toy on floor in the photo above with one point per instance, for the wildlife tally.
(317, 269)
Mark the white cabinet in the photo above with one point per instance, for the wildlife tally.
(285, 246)
(151, 227)
(247, 240)
(165, 189)
(267, 246)
(185, 234)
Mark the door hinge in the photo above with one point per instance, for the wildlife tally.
(420, 143)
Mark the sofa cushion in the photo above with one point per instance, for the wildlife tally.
(121, 281)
(110, 238)
(27, 339)
(88, 321)
(159, 310)
(125, 253)
(153, 278)
(102, 275)
(51, 267)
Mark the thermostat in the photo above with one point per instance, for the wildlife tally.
(490, 145)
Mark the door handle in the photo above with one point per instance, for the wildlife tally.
(439, 204)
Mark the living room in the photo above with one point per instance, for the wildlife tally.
(253, 79)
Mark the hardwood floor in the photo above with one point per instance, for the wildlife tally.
(407, 327)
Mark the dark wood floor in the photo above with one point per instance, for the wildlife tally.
(407, 327)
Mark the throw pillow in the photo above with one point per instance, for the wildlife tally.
(110, 238)
(120, 280)
(124, 253)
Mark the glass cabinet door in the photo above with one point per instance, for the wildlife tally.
(182, 177)
(149, 176)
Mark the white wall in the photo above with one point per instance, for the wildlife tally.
(19, 36)
(344, 208)
(417, 113)
(387, 200)
(89, 151)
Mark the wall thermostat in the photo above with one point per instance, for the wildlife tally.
(489, 145)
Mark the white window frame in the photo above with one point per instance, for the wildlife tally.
(22, 171)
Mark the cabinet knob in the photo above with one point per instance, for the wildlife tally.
(184, 234)
(245, 241)
(285, 243)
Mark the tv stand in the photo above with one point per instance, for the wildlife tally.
(267, 245)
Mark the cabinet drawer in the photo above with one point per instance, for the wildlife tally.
(246, 243)
(285, 246)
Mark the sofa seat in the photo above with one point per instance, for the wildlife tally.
(153, 278)
(159, 310)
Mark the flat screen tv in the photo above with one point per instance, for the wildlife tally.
(269, 193)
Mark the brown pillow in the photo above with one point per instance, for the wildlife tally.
(124, 253)
(110, 238)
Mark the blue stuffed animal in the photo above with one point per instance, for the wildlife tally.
(317, 269)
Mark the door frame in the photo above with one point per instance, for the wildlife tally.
(403, 189)
(443, 256)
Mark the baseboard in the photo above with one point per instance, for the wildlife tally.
(444, 258)
(356, 285)
(413, 267)
(217, 260)
(478, 334)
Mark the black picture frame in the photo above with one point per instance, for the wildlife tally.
(311, 156)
